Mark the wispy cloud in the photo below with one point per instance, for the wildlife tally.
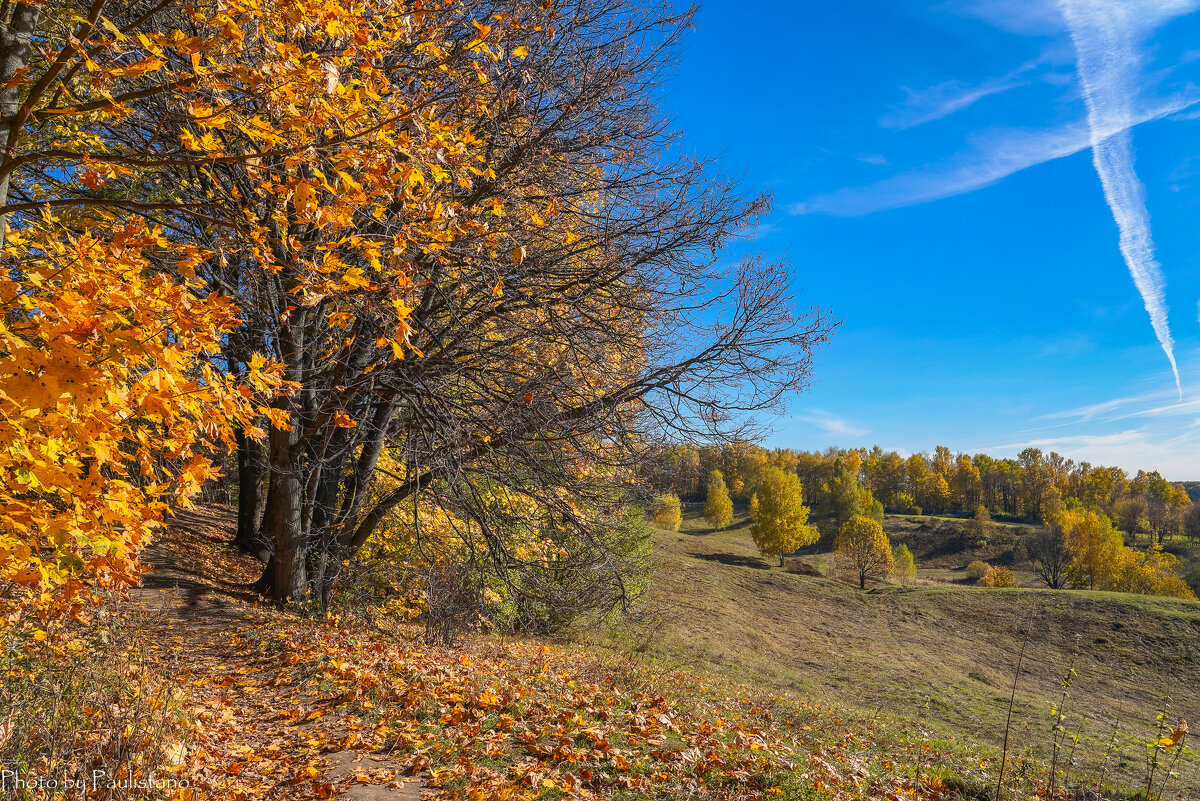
(1093, 411)
(935, 102)
(1024, 17)
(993, 156)
(1034, 18)
(1140, 430)
(1159, 404)
(1182, 408)
(1190, 115)
(1075, 442)
(1106, 34)
(832, 424)
(941, 100)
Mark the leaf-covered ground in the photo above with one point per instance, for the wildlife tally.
(289, 707)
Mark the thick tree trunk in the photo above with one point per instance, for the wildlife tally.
(283, 518)
(325, 563)
(284, 527)
(331, 505)
(252, 499)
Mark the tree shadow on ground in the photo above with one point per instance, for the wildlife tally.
(708, 531)
(174, 584)
(733, 559)
(194, 570)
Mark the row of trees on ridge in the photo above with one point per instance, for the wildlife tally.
(1032, 487)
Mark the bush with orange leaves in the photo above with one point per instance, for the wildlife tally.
(998, 576)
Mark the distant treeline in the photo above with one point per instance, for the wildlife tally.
(1033, 487)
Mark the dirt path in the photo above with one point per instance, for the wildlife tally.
(260, 734)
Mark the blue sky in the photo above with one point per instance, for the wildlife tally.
(999, 198)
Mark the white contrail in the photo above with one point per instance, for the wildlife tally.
(1113, 158)
(1105, 34)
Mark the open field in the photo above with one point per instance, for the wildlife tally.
(943, 654)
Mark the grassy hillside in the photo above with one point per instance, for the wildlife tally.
(941, 653)
(943, 546)
(772, 686)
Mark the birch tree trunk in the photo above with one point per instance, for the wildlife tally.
(16, 36)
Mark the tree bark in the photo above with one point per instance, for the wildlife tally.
(283, 518)
(16, 36)
(266, 582)
(284, 513)
(252, 499)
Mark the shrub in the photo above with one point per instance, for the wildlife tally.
(999, 577)
(573, 585)
(666, 512)
(981, 525)
(429, 566)
(977, 570)
(905, 503)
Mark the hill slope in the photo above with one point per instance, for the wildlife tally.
(942, 654)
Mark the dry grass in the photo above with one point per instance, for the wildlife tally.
(941, 654)
(82, 714)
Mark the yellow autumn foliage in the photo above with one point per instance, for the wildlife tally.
(1101, 560)
(108, 412)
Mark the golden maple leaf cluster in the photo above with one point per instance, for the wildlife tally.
(106, 410)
